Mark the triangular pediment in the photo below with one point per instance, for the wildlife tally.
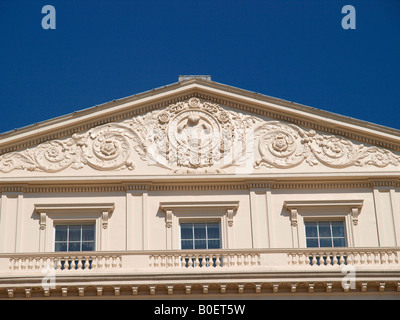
(195, 127)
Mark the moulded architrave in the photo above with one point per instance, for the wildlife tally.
(223, 211)
(49, 214)
(348, 209)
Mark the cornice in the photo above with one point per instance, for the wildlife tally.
(238, 285)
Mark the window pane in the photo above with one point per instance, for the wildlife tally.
(88, 233)
(199, 231)
(337, 229)
(325, 242)
(187, 244)
(74, 246)
(213, 230)
(339, 242)
(88, 246)
(61, 246)
(324, 229)
(61, 233)
(200, 244)
(74, 233)
(311, 229)
(186, 231)
(312, 243)
(214, 244)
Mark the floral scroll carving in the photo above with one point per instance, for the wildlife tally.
(195, 136)
(285, 145)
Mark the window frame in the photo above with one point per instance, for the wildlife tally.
(318, 237)
(194, 239)
(81, 234)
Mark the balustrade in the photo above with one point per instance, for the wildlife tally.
(200, 259)
(65, 262)
(345, 257)
(194, 259)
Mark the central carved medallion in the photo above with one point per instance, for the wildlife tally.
(191, 135)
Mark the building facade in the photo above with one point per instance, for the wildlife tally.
(200, 190)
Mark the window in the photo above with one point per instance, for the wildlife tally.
(75, 237)
(325, 234)
(204, 235)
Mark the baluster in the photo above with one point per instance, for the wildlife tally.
(291, 260)
(151, 261)
(58, 263)
(36, 263)
(107, 262)
(334, 259)
(246, 259)
(377, 258)
(225, 260)
(206, 262)
(114, 262)
(190, 260)
(167, 261)
(302, 259)
(350, 258)
(299, 259)
(87, 263)
(73, 264)
(314, 259)
(80, 264)
(40, 263)
(155, 261)
(232, 261)
(23, 264)
(94, 262)
(341, 258)
(363, 258)
(254, 261)
(196, 261)
(241, 259)
(100, 262)
(11, 263)
(321, 260)
(369, 258)
(30, 263)
(390, 257)
(177, 260)
(383, 258)
(328, 259)
(50, 264)
(218, 260)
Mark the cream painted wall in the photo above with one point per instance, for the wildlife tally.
(261, 220)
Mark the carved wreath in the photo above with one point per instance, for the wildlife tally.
(196, 137)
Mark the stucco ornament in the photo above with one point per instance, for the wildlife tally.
(196, 136)
(283, 145)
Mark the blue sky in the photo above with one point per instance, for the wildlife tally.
(295, 50)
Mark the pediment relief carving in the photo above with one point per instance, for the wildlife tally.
(195, 136)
